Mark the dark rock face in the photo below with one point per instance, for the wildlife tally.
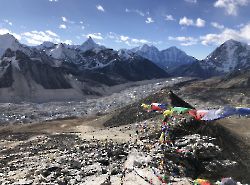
(41, 72)
(6, 79)
(95, 59)
(107, 67)
(47, 76)
(135, 70)
(193, 70)
(8, 53)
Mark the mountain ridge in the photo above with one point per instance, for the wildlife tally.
(166, 58)
(78, 67)
(60, 70)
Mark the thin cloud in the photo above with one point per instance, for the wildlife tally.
(186, 22)
(149, 20)
(169, 18)
(217, 25)
(97, 36)
(38, 37)
(215, 39)
(135, 11)
(200, 22)
(5, 31)
(191, 1)
(100, 8)
(184, 41)
(51, 33)
(64, 19)
(140, 41)
(231, 6)
(8, 22)
(124, 38)
(128, 40)
(69, 42)
(190, 22)
(62, 26)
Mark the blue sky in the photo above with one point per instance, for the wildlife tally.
(195, 26)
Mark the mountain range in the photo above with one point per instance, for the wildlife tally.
(166, 59)
(59, 71)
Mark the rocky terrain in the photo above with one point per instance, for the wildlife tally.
(123, 147)
(99, 134)
(33, 158)
(116, 97)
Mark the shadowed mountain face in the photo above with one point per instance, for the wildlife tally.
(42, 73)
(191, 70)
(6, 78)
(134, 68)
(32, 70)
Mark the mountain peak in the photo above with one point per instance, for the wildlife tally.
(7, 35)
(147, 48)
(229, 56)
(8, 41)
(48, 44)
(232, 42)
(174, 49)
(88, 44)
(89, 41)
(167, 58)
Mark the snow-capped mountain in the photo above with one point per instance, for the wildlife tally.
(150, 52)
(48, 68)
(70, 53)
(64, 53)
(45, 45)
(167, 59)
(90, 44)
(9, 41)
(25, 79)
(121, 68)
(92, 57)
(59, 71)
(230, 56)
